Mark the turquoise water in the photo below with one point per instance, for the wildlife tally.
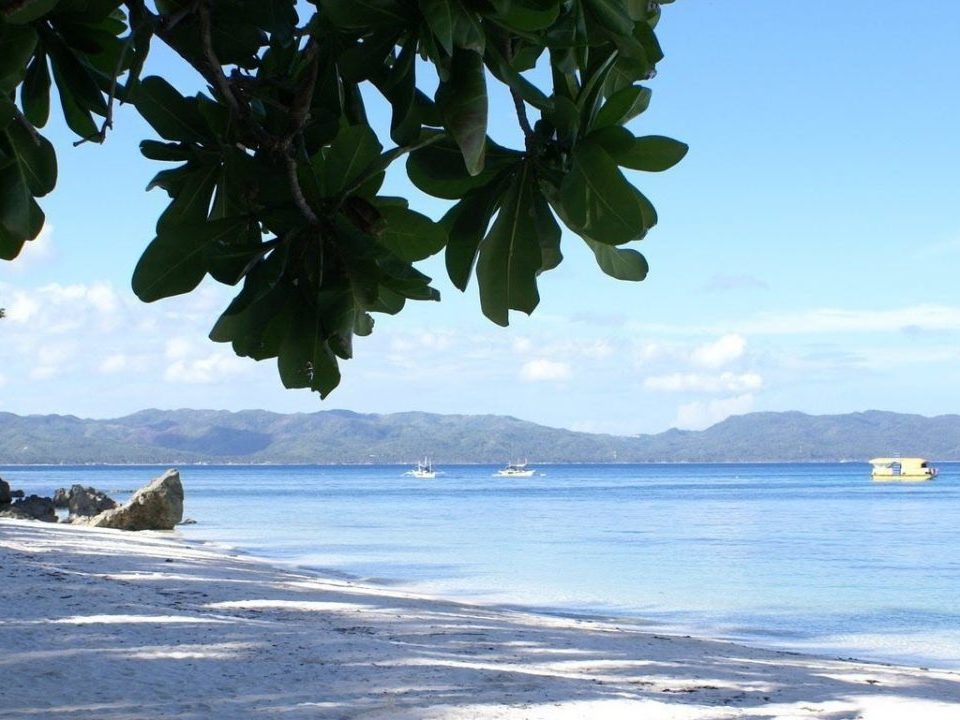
(812, 557)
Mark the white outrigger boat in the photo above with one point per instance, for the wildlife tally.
(519, 469)
(423, 470)
(901, 470)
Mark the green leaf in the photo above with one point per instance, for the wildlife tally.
(175, 262)
(10, 244)
(527, 15)
(467, 224)
(504, 72)
(28, 12)
(35, 92)
(233, 249)
(78, 118)
(620, 263)
(191, 204)
(652, 153)
(17, 43)
(549, 234)
(20, 216)
(173, 116)
(75, 74)
(440, 17)
(367, 14)
(612, 15)
(409, 235)
(166, 152)
(438, 168)
(597, 201)
(467, 31)
(623, 106)
(463, 105)
(305, 358)
(353, 151)
(36, 157)
(510, 254)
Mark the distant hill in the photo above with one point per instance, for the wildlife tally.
(340, 436)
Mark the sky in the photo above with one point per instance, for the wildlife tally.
(806, 256)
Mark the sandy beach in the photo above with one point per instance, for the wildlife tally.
(108, 625)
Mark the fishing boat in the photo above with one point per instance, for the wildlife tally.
(423, 469)
(518, 469)
(901, 470)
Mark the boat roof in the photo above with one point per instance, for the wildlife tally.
(901, 460)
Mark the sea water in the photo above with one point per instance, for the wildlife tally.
(812, 557)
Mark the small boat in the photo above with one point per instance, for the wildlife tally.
(423, 470)
(901, 470)
(518, 469)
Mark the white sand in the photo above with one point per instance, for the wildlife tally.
(104, 624)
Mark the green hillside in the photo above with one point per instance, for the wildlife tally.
(340, 436)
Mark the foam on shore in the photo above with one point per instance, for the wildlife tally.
(112, 625)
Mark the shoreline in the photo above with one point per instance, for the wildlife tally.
(109, 625)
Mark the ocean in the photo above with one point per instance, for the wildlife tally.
(808, 557)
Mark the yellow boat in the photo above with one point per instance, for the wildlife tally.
(901, 470)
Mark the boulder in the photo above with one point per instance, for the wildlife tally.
(61, 497)
(30, 508)
(5, 497)
(83, 501)
(157, 506)
(16, 493)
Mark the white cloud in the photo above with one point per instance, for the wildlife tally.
(542, 369)
(685, 382)
(720, 352)
(50, 360)
(113, 364)
(22, 309)
(177, 348)
(700, 415)
(209, 370)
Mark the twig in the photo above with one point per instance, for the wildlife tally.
(518, 102)
(298, 198)
(215, 67)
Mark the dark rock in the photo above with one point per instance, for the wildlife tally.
(33, 507)
(16, 493)
(157, 506)
(4, 492)
(61, 497)
(87, 501)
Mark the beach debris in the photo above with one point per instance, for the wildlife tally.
(83, 501)
(32, 507)
(156, 506)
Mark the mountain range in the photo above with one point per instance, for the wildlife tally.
(341, 436)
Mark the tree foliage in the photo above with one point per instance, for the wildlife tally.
(276, 175)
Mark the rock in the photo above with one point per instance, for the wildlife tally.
(16, 493)
(157, 506)
(61, 497)
(85, 501)
(31, 508)
(5, 497)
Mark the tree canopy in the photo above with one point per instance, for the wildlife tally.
(277, 173)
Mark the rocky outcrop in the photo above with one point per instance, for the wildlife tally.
(5, 496)
(157, 506)
(33, 507)
(83, 501)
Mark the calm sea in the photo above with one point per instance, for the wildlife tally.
(811, 557)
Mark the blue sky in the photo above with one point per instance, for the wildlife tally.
(805, 259)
